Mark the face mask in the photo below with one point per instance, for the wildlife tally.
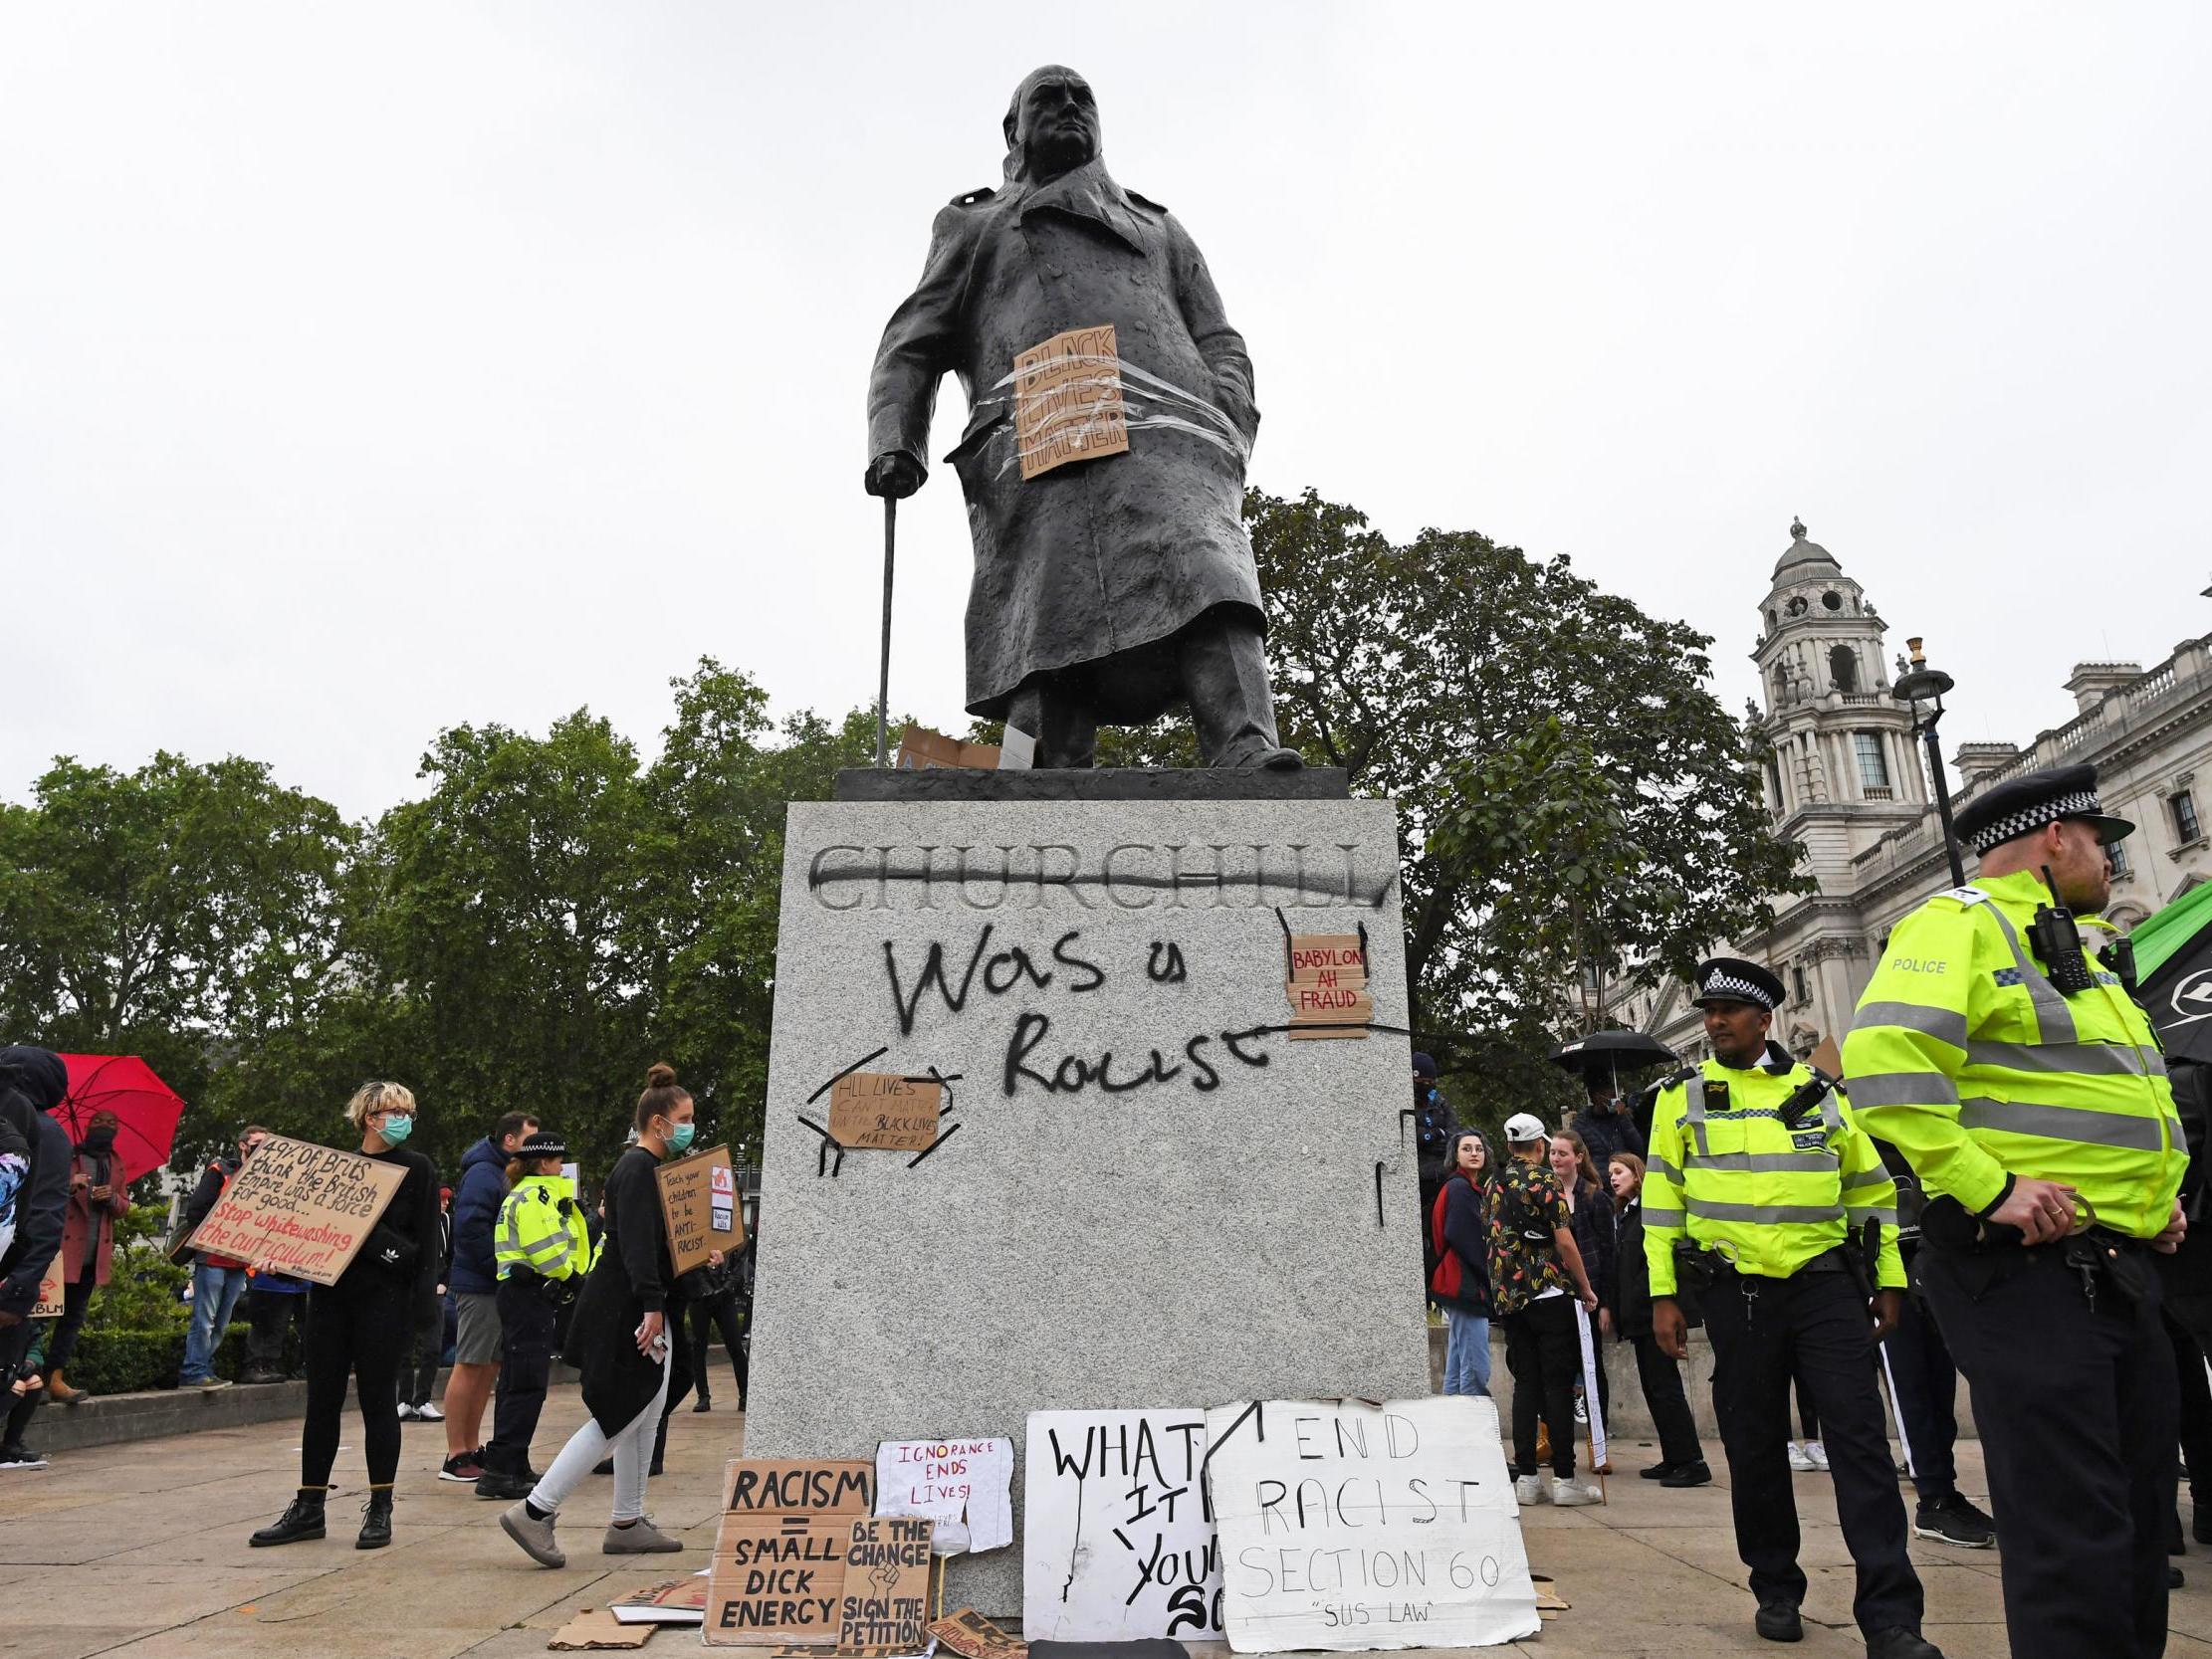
(397, 1129)
(99, 1139)
(678, 1137)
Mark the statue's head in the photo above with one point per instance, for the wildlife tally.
(1051, 126)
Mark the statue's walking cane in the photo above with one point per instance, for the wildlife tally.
(883, 684)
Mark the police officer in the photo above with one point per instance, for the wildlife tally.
(1790, 1222)
(2026, 1087)
(542, 1252)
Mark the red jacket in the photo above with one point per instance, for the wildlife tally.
(1456, 1226)
(87, 1219)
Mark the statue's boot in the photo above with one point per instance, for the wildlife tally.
(1223, 663)
(1061, 719)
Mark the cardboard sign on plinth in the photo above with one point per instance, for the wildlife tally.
(886, 1601)
(779, 1574)
(1328, 986)
(1067, 400)
(49, 1291)
(300, 1209)
(964, 1486)
(971, 1636)
(878, 1112)
(699, 1202)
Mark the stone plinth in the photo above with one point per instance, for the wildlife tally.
(1147, 1195)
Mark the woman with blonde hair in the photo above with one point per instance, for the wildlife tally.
(363, 1326)
(619, 1342)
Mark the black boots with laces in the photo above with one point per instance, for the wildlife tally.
(302, 1520)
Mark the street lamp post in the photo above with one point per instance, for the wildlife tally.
(1917, 684)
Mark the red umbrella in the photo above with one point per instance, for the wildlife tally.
(146, 1108)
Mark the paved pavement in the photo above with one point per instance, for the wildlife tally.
(141, 1549)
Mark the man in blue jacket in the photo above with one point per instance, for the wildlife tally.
(32, 1084)
(475, 1283)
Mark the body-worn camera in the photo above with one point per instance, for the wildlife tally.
(2057, 943)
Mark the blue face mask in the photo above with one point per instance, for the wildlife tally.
(397, 1129)
(678, 1137)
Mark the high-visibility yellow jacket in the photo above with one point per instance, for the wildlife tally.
(1767, 1198)
(541, 1226)
(1967, 1059)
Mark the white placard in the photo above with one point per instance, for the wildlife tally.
(1116, 1541)
(1347, 1527)
(964, 1486)
(1590, 1390)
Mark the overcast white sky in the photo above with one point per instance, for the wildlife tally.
(365, 369)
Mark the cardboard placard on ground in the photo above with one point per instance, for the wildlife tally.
(1350, 1527)
(1328, 986)
(882, 1111)
(595, 1628)
(779, 1569)
(971, 1636)
(300, 1209)
(1117, 1537)
(964, 1484)
(699, 1202)
(886, 1599)
(1067, 400)
(50, 1304)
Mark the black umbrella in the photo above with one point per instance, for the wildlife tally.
(1609, 1053)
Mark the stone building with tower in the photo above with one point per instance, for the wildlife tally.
(1847, 778)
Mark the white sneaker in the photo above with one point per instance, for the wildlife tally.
(407, 1414)
(1816, 1454)
(1801, 1458)
(1582, 1410)
(428, 1412)
(1531, 1489)
(1566, 1494)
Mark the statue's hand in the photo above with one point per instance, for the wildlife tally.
(894, 474)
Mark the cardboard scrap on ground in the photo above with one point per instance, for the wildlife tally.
(1547, 1598)
(880, 1112)
(699, 1202)
(971, 1636)
(671, 1601)
(595, 1627)
(300, 1209)
(1328, 986)
(1067, 402)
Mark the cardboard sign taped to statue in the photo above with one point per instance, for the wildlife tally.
(882, 1111)
(301, 1209)
(699, 1202)
(1347, 1525)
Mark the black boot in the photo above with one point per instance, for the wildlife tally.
(302, 1520)
(376, 1519)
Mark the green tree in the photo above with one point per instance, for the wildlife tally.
(183, 912)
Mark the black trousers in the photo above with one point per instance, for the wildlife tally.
(269, 1317)
(1544, 1353)
(722, 1314)
(1766, 1333)
(1662, 1378)
(526, 1319)
(2078, 1415)
(419, 1375)
(2196, 1414)
(77, 1302)
(361, 1325)
(1925, 1382)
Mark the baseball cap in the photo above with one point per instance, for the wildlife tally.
(1524, 1127)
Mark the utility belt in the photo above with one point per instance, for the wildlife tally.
(1986, 1253)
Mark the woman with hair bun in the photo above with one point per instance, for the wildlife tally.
(363, 1326)
(619, 1340)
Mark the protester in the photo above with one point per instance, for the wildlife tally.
(1681, 1459)
(474, 1277)
(418, 1380)
(1433, 1129)
(1605, 1124)
(1590, 1203)
(1534, 1265)
(217, 1280)
(32, 1083)
(1459, 1235)
(97, 1197)
(275, 1305)
(619, 1342)
(544, 1253)
(361, 1324)
(715, 1306)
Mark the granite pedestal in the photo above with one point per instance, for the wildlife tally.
(1145, 1193)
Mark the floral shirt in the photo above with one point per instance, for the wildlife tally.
(1521, 1271)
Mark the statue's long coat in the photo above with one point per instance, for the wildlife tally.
(1097, 559)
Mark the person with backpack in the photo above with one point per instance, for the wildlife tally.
(1535, 1267)
(1459, 1234)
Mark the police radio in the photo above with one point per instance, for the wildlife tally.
(2058, 943)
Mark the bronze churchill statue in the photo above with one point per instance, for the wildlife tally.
(1113, 587)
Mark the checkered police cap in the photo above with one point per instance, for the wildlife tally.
(1732, 979)
(2024, 804)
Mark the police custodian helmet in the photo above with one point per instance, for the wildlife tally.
(2024, 804)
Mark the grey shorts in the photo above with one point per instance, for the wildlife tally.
(477, 1341)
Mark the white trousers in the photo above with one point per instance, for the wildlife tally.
(633, 1455)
